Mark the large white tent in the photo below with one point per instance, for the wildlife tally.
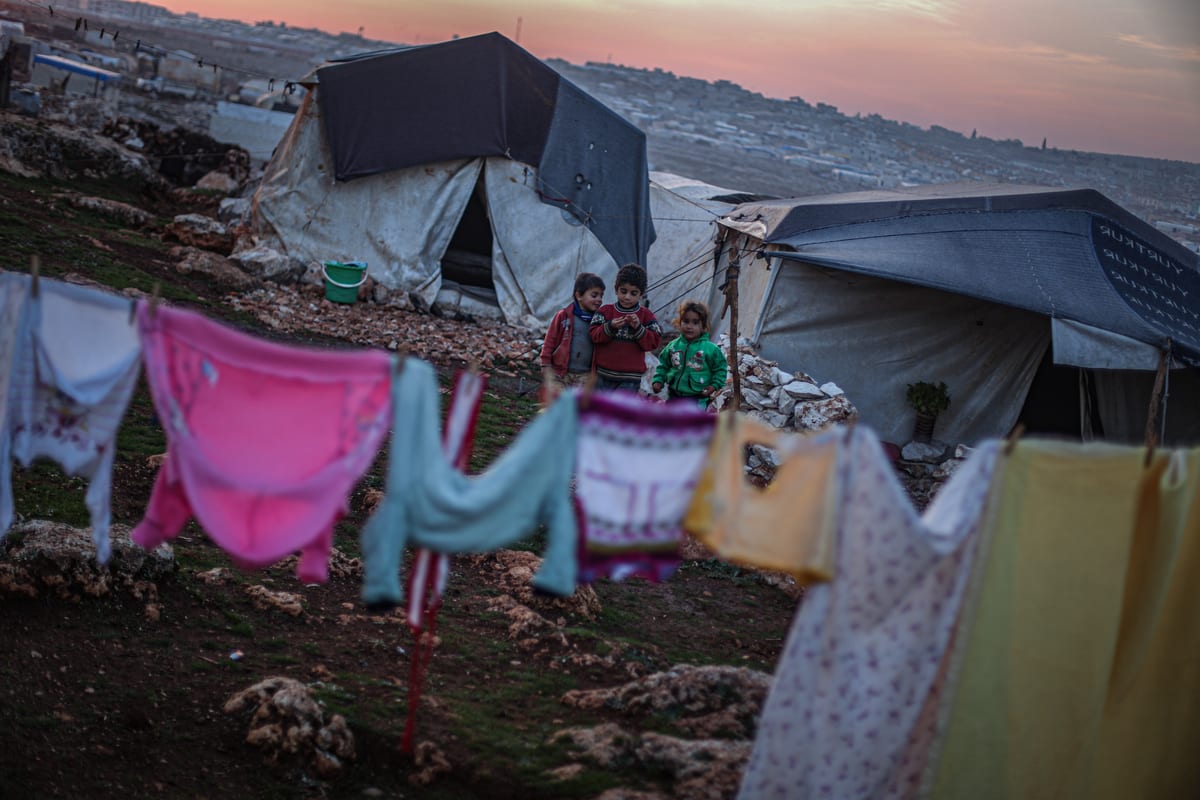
(466, 173)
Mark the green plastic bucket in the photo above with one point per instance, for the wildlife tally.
(342, 279)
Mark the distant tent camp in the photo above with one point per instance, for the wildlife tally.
(466, 172)
(1052, 306)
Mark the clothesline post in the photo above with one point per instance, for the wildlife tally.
(731, 299)
(1155, 398)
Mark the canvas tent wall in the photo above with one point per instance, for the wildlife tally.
(394, 156)
(680, 264)
(973, 285)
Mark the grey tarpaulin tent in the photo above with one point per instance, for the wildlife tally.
(971, 284)
(470, 151)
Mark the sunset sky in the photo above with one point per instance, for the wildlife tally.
(1112, 76)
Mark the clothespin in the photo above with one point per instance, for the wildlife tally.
(115, 35)
(154, 298)
(401, 357)
(850, 425)
(35, 265)
(473, 366)
(1013, 435)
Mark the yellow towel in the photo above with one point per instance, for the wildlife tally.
(786, 526)
(1081, 661)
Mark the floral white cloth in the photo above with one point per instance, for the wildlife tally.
(853, 707)
(14, 292)
(75, 364)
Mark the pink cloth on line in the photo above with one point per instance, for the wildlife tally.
(264, 440)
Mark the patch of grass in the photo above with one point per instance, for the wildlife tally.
(39, 722)
(200, 557)
(237, 624)
(140, 434)
(44, 491)
(508, 733)
(499, 420)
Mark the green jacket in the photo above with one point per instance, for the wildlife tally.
(687, 368)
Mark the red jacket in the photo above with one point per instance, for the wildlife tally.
(623, 350)
(556, 347)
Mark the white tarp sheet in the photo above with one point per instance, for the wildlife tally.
(537, 248)
(679, 264)
(1080, 345)
(873, 337)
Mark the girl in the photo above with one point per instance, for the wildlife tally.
(691, 366)
(567, 349)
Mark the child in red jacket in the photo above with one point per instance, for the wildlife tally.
(624, 332)
(567, 348)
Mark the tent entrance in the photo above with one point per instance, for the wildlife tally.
(468, 258)
(468, 286)
(1056, 402)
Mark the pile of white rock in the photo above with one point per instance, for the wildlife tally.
(782, 399)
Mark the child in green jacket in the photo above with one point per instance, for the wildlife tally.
(691, 366)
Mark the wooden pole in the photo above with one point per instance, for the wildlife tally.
(1155, 399)
(731, 297)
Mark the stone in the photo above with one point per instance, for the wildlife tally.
(764, 455)
(924, 451)
(287, 721)
(831, 389)
(770, 417)
(781, 401)
(113, 209)
(265, 599)
(218, 181)
(220, 268)
(42, 556)
(233, 210)
(271, 264)
(815, 415)
(754, 399)
(197, 230)
(802, 390)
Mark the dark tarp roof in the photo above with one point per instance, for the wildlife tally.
(1067, 253)
(485, 96)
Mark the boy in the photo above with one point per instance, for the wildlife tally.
(567, 348)
(623, 332)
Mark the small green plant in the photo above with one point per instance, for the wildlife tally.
(928, 398)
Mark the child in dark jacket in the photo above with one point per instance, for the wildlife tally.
(691, 366)
(567, 348)
(624, 332)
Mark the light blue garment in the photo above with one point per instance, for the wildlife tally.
(430, 504)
